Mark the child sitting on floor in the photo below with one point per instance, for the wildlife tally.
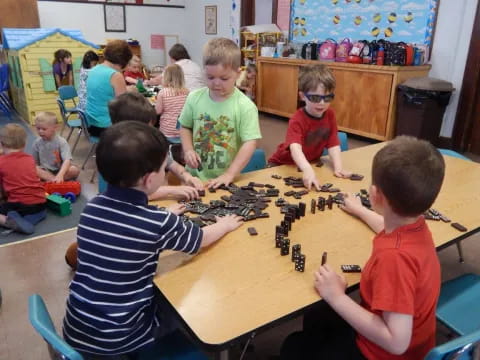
(312, 128)
(51, 151)
(21, 193)
(111, 309)
(170, 100)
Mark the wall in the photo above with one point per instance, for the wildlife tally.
(263, 12)
(450, 50)
(142, 21)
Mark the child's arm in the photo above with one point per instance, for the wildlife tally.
(353, 205)
(70, 77)
(180, 192)
(130, 80)
(239, 162)
(334, 153)
(157, 80)
(118, 83)
(63, 170)
(191, 157)
(391, 331)
(159, 104)
(58, 81)
(309, 177)
(224, 225)
(185, 176)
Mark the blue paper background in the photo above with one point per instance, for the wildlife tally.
(412, 21)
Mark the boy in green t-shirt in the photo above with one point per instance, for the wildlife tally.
(219, 123)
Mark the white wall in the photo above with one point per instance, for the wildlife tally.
(263, 12)
(450, 50)
(142, 21)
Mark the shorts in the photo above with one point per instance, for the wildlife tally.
(22, 209)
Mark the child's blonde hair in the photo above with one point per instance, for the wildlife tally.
(222, 51)
(313, 75)
(173, 77)
(13, 136)
(46, 117)
(135, 60)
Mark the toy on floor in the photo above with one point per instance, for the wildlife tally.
(67, 189)
(60, 205)
(71, 256)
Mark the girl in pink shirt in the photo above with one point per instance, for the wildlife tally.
(170, 100)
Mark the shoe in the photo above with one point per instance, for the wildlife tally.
(16, 222)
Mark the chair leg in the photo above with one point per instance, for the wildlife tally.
(76, 141)
(460, 252)
(93, 176)
(70, 133)
(88, 156)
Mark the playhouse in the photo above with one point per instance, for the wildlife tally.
(30, 57)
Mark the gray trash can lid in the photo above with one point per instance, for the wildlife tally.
(428, 83)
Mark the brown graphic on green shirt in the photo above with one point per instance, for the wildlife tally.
(212, 135)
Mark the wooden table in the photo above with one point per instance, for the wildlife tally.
(241, 284)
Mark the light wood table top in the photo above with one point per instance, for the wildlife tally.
(242, 284)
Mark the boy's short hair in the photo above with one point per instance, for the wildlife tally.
(178, 52)
(409, 172)
(131, 106)
(118, 52)
(46, 117)
(221, 51)
(313, 75)
(13, 136)
(129, 150)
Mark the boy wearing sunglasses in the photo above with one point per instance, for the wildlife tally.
(312, 128)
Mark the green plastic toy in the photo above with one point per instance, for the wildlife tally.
(60, 205)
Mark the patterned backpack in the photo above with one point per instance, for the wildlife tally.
(327, 50)
(343, 49)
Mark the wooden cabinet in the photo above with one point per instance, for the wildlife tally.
(365, 95)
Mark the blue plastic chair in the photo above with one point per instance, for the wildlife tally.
(343, 138)
(91, 139)
(461, 348)
(42, 322)
(257, 161)
(458, 304)
(5, 104)
(68, 92)
(71, 123)
(453, 154)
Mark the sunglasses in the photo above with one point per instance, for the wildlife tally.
(318, 98)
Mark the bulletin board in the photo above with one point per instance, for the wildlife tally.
(411, 21)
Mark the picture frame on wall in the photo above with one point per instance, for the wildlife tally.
(114, 15)
(211, 20)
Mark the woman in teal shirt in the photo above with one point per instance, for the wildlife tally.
(105, 82)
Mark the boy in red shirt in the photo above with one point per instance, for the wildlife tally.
(20, 186)
(400, 283)
(312, 128)
(133, 72)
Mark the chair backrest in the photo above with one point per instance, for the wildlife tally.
(42, 322)
(83, 118)
(67, 92)
(257, 161)
(343, 139)
(461, 348)
(63, 110)
(3, 77)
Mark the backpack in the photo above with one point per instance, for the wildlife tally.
(343, 49)
(327, 50)
(310, 51)
(410, 54)
(395, 53)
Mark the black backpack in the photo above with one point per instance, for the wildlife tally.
(396, 54)
(313, 51)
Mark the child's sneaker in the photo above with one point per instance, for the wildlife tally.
(16, 222)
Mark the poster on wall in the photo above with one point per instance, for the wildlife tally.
(411, 21)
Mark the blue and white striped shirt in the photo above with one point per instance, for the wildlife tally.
(111, 309)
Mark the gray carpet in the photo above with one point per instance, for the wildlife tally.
(52, 223)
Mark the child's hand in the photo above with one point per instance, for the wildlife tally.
(329, 284)
(185, 192)
(194, 181)
(352, 204)
(342, 174)
(225, 179)
(230, 222)
(58, 178)
(177, 209)
(309, 179)
(192, 159)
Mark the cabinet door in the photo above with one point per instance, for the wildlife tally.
(362, 101)
(278, 89)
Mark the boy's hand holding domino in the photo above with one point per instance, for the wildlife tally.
(225, 179)
(192, 159)
(310, 179)
(177, 209)
(329, 284)
(352, 204)
(342, 174)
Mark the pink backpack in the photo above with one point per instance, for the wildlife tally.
(327, 51)
(343, 49)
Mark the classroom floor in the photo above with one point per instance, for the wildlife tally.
(38, 266)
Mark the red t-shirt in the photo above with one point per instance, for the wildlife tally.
(403, 276)
(134, 74)
(19, 180)
(314, 134)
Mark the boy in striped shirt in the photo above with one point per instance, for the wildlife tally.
(111, 308)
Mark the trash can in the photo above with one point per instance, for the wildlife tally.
(421, 103)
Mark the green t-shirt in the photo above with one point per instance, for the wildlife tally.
(219, 129)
